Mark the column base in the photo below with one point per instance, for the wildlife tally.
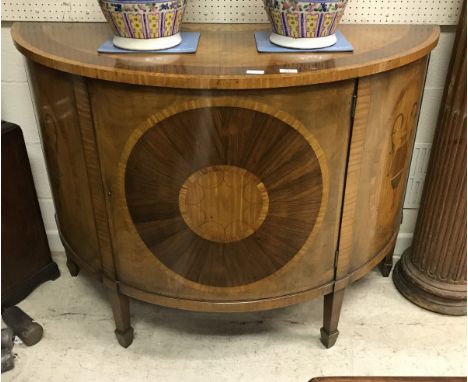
(427, 293)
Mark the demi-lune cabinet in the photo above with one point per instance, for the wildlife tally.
(185, 181)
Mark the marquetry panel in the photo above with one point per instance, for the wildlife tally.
(225, 56)
(93, 169)
(383, 135)
(223, 203)
(224, 196)
(157, 146)
(61, 134)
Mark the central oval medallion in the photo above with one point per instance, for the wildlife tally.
(223, 203)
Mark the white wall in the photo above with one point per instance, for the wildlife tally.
(17, 107)
(440, 12)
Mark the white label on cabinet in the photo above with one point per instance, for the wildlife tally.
(288, 70)
(252, 71)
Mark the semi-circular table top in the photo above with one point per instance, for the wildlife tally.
(225, 53)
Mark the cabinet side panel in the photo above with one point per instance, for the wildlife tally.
(63, 151)
(380, 154)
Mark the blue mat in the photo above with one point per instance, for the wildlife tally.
(189, 44)
(264, 45)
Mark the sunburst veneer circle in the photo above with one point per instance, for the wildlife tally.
(214, 138)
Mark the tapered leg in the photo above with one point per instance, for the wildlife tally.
(386, 264)
(73, 268)
(121, 309)
(331, 314)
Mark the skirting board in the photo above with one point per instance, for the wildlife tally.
(54, 241)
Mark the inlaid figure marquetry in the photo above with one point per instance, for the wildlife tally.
(182, 181)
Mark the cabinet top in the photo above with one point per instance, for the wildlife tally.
(225, 52)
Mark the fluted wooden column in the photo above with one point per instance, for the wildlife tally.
(432, 273)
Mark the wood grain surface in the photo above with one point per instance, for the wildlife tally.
(381, 145)
(224, 54)
(61, 135)
(173, 134)
(167, 161)
(223, 203)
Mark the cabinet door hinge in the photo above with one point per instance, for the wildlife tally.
(337, 254)
(335, 265)
(353, 105)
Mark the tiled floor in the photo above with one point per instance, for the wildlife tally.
(381, 334)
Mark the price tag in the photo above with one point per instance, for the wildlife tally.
(252, 71)
(288, 70)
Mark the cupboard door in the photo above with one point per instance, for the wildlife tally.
(380, 155)
(223, 196)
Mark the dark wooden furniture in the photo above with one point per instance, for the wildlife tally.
(432, 272)
(183, 181)
(26, 260)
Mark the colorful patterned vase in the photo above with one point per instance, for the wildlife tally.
(303, 24)
(144, 25)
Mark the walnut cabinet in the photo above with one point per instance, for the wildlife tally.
(183, 181)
